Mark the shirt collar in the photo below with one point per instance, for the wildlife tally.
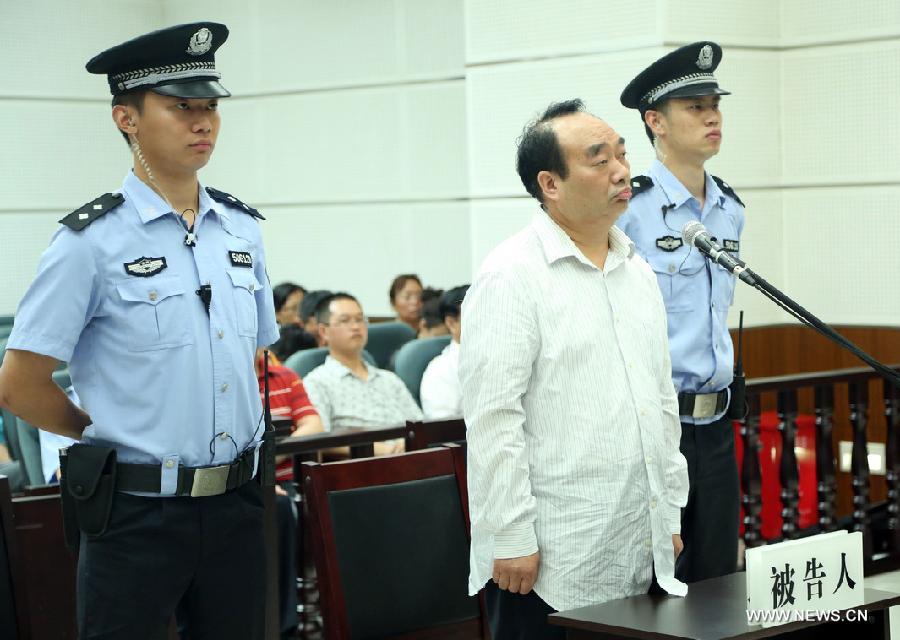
(676, 192)
(558, 245)
(150, 204)
(341, 371)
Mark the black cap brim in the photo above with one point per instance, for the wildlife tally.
(696, 92)
(193, 89)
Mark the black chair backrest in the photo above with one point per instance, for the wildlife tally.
(48, 584)
(388, 539)
(392, 546)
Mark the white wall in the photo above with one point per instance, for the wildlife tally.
(347, 129)
(59, 146)
(378, 136)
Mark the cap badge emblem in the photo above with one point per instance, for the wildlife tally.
(201, 42)
(705, 59)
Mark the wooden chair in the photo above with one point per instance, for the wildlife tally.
(48, 567)
(421, 435)
(391, 543)
(13, 609)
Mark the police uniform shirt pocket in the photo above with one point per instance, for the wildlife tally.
(723, 284)
(154, 313)
(681, 278)
(244, 287)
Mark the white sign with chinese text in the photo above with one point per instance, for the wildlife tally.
(823, 572)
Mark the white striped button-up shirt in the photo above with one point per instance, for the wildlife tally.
(572, 419)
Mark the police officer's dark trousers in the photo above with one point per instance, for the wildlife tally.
(709, 523)
(203, 555)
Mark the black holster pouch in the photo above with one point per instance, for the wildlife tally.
(737, 410)
(87, 487)
(266, 472)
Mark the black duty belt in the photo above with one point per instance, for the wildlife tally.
(192, 481)
(702, 405)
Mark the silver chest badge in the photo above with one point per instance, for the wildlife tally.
(200, 42)
(705, 59)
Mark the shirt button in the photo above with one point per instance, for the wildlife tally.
(223, 435)
(653, 504)
(170, 464)
(224, 387)
(671, 268)
(649, 460)
(221, 334)
(153, 296)
(252, 287)
(648, 543)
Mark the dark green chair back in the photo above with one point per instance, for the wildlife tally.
(386, 338)
(412, 359)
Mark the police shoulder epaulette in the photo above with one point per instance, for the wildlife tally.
(227, 198)
(727, 190)
(83, 216)
(639, 184)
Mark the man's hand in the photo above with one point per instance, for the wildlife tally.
(678, 544)
(517, 575)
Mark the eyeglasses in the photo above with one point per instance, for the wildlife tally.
(347, 321)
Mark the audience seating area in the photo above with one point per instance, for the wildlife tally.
(374, 533)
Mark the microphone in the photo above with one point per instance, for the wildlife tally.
(695, 234)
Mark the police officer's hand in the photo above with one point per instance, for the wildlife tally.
(678, 544)
(517, 575)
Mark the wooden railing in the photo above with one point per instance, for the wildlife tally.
(820, 390)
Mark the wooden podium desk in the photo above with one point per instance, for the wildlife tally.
(713, 610)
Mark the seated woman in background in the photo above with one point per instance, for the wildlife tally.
(288, 296)
(431, 324)
(406, 299)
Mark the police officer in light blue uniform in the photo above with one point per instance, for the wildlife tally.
(157, 296)
(678, 99)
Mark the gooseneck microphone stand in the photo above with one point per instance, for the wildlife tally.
(810, 320)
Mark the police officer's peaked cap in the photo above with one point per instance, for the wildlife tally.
(684, 73)
(178, 61)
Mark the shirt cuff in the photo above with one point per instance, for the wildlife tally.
(673, 521)
(515, 541)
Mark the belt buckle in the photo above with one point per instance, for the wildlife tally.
(705, 405)
(209, 481)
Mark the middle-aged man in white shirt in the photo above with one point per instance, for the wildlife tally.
(576, 483)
